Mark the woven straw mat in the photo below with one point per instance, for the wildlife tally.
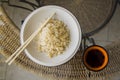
(72, 70)
(91, 14)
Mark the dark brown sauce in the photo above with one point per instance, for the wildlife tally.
(95, 58)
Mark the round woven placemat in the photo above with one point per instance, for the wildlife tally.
(72, 70)
(91, 14)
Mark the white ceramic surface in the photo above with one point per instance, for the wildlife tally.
(34, 20)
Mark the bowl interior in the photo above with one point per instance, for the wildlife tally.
(33, 22)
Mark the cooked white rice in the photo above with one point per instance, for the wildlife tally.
(54, 38)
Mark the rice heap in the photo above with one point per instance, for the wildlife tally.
(54, 38)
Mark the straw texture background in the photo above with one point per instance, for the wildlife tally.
(90, 13)
(72, 70)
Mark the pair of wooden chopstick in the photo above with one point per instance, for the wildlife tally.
(22, 47)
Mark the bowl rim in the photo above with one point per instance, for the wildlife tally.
(40, 62)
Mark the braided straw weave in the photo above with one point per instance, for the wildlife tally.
(90, 13)
(72, 70)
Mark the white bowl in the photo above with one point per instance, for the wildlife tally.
(33, 21)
